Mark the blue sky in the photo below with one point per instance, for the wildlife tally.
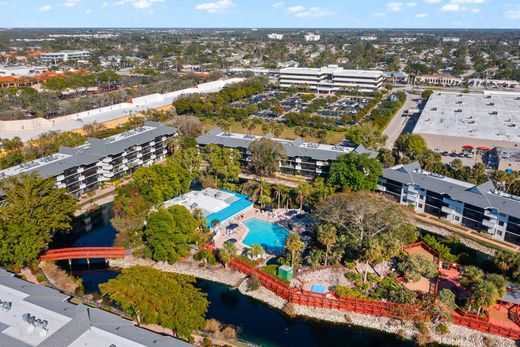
(262, 13)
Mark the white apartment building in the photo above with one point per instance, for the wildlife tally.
(275, 36)
(331, 78)
(368, 38)
(311, 37)
(64, 56)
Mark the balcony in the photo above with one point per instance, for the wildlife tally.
(447, 210)
(107, 160)
(411, 198)
(298, 167)
(490, 214)
(319, 163)
(318, 170)
(381, 188)
(80, 170)
(298, 160)
(60, 178)
(489, 224)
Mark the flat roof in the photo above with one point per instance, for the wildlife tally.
(54, 321)
(338, 71)
(490, 116)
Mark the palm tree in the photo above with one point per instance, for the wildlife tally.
(257, 190)
(327, 236)
(279, 190)
(302, 191)
(294, 245)
(485, 295)
(256, 250)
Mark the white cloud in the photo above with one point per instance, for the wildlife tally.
(394, 6)
(70, 3)
(411, 4)
(313, 12)
(421, 15)
(451, 7)
(432, 1)
(513, 13)
(220, 6)
(297, 8)
(45, 8)
(278, 4)
(105, 4)
(379, 14)
(3, 3)
(140, 4)
(88, 11)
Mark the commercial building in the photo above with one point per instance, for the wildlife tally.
(275, 36)
(479, 207)
(64, 56)
(214, 204)
(453, 121)
(444, 80)
(303, 158)
(84, 168)
(331, 78)
(35, 315)
(311, 37)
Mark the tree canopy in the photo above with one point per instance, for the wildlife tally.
(265, 156)
(356, 172)
(223, 163)
(169, 232)
(32, 211)
(152, 296)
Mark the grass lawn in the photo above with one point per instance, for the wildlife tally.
(333, 137)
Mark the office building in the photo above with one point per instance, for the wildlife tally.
(331, 78)
(456, 121)
(84, 168)
(35, 315)
(303, 158)
(311, 37)
(479, 207)
(275, 36)
(64, 56)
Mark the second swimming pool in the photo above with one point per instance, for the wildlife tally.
(270, 236)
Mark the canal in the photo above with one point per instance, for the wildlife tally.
(256, 322)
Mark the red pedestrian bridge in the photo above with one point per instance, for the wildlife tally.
(84, 253)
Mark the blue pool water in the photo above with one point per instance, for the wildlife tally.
(270, 236)
(318, 288)
(231, 210)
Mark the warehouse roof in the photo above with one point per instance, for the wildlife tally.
(484, 195)
(57, 322)
(489, 116)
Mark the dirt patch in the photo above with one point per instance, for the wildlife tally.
(60, 279)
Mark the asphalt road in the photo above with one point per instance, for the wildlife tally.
(399, 124)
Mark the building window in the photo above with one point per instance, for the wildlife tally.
(499, 233)
(420, 205)
(501, 223)
(457, 218)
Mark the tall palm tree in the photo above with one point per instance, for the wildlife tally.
(303, 190)
(294, 245)
(257, 189)
(280, 192)
(327, 236)
(485, 295)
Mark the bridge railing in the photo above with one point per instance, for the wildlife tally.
(84, 252)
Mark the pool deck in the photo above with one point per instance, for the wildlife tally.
(239, 233)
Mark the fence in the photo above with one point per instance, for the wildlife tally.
(366, 306)
(311, 299)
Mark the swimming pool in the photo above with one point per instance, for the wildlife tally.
(318, 288)
(270, 236)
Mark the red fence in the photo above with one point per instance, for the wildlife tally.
(84, 253)
(366, 306)
(311, 299)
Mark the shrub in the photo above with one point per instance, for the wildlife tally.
(443, 250)
(212, 326)
(229, 333)
(442, 329)
(289, 309)
(348, 292)
(246, 260)
(350, 265)
(40, 277)
(253, 283)
(353, 276)
(206, 342)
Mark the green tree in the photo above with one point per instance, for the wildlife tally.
(485, 294)
(327, 236)
(168, 233)
(413, 266)
(223, 163)
(303, 190)
(256, 250)
(356, 171)
(295, 246)
(265, 156)
(154, 297)
(33, 209)
(410, 145)
(226, 253)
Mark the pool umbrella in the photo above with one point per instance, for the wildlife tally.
(269, 208)
(292, 212)
(232, 226)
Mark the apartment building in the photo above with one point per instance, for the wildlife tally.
(36, 315)
(479, 207)
(303, 158)
(56, 57)
(311, 37)
(84, 168)
(331, 78)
